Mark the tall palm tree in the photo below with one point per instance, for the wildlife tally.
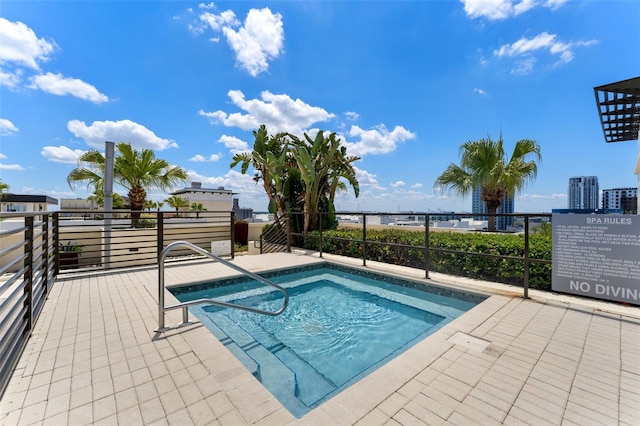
(484, 165)
(135, 170)
(322, 162)
(270, 160)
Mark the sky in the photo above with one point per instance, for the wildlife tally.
(403, 84)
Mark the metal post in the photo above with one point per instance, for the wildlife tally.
(526, 256)
(108, 200)
(28, 270)
(427, 253)
(160, 233)
(320, 234)
(364, 239)
(233, 235)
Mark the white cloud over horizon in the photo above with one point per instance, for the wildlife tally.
(502, 9)
(136, 134)
(57, 84)
(255, 42)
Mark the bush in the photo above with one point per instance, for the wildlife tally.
(408, 249)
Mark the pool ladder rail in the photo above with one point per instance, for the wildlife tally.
(184, 305)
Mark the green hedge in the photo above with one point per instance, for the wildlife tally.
(409, 251)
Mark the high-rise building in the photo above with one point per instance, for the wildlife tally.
(621, 198)
(506, 206)
(583, 192)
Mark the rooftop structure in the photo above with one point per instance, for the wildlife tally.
(26, 203)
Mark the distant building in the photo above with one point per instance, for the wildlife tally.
(621, 198)
(507, 206)
(19, 203)
(213, 200)
(583, 192)
(241, 213)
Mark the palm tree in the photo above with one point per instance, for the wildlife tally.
(322, 162)
(135, 170)
(4, 187)
(484, 165)
(197, 207)
(177, 202)
(98, 196)
(269, 159)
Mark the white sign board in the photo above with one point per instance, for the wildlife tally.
(597, 256)
(221, 248)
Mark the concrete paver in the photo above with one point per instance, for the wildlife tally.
(94, 357)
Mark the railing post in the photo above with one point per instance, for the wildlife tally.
(233, 235)
(289, 233)
(526, 256)
(45, 255)
(159, 232)
(427, 253)
(28, 270)
(56, 243)
(364, 239)
(321, 234)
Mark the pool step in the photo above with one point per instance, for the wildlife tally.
(291, 379)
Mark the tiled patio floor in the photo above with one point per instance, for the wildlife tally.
(94, 358)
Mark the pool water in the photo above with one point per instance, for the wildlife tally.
(340, 325)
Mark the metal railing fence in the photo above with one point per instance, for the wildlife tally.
(35, 248)
(513, 263)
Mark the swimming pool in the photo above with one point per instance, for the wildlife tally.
(341, 324)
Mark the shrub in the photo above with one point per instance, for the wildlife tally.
(407, 248)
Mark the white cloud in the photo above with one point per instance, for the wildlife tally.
(502, 9)
(13, 167)
(398, 184)
(350, 115)
(417, 185)
(367, 180)
(10, 79)
(7, 128)
(118, 131)
(207, 5)
(233, 144)
(217, 22)
(61, 154)
(202, 159)
(377, 140)
(21, 46)
(57, 84)
(526, 47)
(479, 91)
(2, 156)
(279, 113)
(257, 41)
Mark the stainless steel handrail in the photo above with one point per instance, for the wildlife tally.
(185, 305)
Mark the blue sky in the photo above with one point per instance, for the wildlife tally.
(404, 84)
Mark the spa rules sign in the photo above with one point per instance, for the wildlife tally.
(597, 256)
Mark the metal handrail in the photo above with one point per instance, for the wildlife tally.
(185, 305)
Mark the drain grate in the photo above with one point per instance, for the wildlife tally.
(469, 342)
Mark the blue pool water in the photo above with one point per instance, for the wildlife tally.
(340, 325)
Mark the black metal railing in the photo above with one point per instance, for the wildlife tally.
(275, 237)
(35, 248)
(420, 246)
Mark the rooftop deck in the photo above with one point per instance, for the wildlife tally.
(94, 358)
